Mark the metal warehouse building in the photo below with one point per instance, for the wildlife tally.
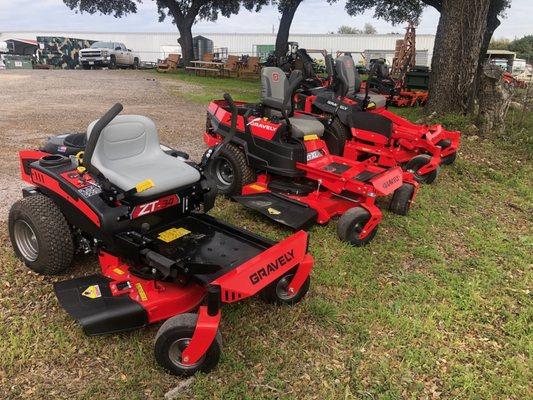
(153, 45)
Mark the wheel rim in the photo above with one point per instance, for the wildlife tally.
(224, 172)
(26, 240)
(282, 288)
(175, 353)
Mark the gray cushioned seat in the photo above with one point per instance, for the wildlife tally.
(128, 152)
(303, 125)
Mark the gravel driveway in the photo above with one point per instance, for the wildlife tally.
(35, 104)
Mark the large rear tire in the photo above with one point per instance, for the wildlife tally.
(41, 235)
(173, 338)
(335, 136)
(230, 170)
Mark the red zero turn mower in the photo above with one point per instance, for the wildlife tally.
(279, 165)
(161, 258)
(371, 130)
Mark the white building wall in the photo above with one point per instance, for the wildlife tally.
(150, 44)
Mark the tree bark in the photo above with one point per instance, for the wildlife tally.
(287, 16)
(494, 100)
(185, 41)
(492, 24)
(456, 54)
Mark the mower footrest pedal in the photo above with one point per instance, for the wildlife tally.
(89, 300)
(281, 209)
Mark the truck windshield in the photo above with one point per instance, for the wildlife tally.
(102, 45)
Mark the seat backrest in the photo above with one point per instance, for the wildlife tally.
(126, 139)
(348, 79)
(275, 88)
(329, 63)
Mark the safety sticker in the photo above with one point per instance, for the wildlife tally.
(172, 234)
(92, 292)
(273, 211)
(255, 186)
(141, 292)
(118, 271)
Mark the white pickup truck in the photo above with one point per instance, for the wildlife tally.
(108, 54)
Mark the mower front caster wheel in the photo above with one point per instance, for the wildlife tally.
(416, 163)
(401, 199)
(277, 292)
(450, 158)
(173, 338)
(351, 224)
(40, 235)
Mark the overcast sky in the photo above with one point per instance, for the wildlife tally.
(313, 16)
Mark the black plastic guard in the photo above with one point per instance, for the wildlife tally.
(281, 209)
(98, 311)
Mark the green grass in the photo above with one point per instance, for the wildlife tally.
(438, 306)
(209, 88)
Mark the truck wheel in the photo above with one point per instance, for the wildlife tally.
(136, 63)
(351, 224)
(40, 235)
(86, 66)
(113, 63)
(173, 338)
(230, 170)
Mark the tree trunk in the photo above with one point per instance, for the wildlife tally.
(185, 41)
(492, 24)
(456, 53)
(494, 100)
(282, 37)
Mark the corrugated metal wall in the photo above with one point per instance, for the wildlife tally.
(150, 45)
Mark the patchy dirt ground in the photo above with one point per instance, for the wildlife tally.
(437, 307)
(36, 104)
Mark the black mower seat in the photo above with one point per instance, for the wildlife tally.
(128, 153)
(371, 122)
(303, 125)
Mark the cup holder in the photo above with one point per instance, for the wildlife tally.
(54, 160)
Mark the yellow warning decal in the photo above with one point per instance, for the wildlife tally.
(273, 211)
(172, 234)
(92, 292)
(255, 186)
(144, 185)
(141, 292)
(118, 271)
(310, 137)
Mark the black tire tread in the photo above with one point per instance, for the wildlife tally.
(346, 220)
(56, 245)
(416, 163)
(184, 323)
(342, 135)
(401, 199)
(246, 174)
(269, 295)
